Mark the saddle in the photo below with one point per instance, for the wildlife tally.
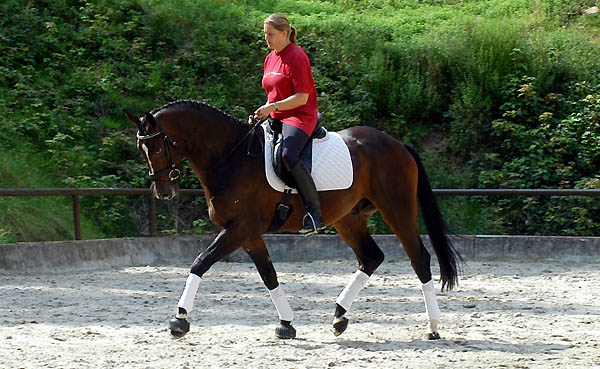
(274, 127)
(331, 167)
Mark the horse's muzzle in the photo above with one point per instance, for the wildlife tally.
(167, 191)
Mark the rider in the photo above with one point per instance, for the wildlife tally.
(292, 98)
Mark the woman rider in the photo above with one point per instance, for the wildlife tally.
(292, 98)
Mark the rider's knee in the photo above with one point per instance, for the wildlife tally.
(289, 159)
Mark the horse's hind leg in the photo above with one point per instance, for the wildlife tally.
(353, 230)
(260, 256)
(403, 221)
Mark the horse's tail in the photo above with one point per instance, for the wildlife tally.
(448, 258)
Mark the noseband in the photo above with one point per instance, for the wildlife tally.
(172, 170)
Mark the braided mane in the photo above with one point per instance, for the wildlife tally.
(200, 106)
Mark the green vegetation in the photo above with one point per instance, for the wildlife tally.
(34, 218)
(494, 93)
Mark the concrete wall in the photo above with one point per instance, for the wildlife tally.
(31, 258)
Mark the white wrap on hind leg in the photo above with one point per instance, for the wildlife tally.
(431, 305)
(357, 282)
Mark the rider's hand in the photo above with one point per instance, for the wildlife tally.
(264, 111)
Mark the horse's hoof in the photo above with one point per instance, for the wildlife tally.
(179, 327)
(339, 325)
(432, 336)
(285, 331)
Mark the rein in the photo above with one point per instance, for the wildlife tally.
(250, 132)
(173, 171)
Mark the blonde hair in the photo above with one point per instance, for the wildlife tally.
(281, 23)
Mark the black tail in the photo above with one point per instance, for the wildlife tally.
(448, 258)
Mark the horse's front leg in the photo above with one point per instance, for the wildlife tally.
(224, 244)
(257, 251)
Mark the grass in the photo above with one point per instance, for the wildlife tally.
(48, 218)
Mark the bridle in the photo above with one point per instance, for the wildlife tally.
(173, 171)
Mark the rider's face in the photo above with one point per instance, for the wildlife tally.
(275, 38)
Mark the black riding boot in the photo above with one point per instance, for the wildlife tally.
(307, 190)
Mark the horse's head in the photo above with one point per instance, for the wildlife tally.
(161, 153)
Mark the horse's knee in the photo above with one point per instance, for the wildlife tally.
(201, 264)
(198, 270)
(270, 279)
(264, 266)
(372, 261)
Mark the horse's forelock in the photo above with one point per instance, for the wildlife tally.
(142, 126)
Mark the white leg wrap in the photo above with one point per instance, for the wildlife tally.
(431, 305)
(281, 304)
(358, 280)
(189, 293)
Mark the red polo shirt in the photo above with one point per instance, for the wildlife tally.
(286, 73)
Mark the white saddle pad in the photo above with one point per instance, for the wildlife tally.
(331, 163)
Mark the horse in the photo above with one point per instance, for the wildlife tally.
(388, 176)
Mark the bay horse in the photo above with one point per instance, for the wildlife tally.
(388, 176)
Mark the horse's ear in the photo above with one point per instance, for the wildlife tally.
(132, 117)
(150, 119)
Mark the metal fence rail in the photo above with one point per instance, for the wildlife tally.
(76, 193)
(515, 192)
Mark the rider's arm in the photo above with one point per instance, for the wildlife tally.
(291, 102)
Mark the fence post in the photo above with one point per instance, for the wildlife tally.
(153, 228)
(77, 217)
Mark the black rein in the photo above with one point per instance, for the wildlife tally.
(173, 171)
(250, 132)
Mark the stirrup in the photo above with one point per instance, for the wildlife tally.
(308, 230)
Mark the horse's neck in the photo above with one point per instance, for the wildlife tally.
(207, 138)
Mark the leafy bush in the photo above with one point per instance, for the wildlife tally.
(444, 76)
(538, 148)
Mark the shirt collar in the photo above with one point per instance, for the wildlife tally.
(287, 47)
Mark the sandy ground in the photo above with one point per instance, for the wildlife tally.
(503, 315)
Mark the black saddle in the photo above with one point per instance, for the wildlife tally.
(305, 156)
